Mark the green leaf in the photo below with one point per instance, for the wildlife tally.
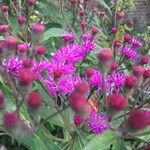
(53, 32)
(40, 141)
(101, 142)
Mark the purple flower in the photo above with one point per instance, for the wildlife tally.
(98, 123)
(115, 82)
(136, 43)
(67, 68)
(130, 53)
(96, 80)
(14, 66)
(88, 47)
(87, 37)
(69, 38)
(40, 69)
(69, 54)
(64, 86)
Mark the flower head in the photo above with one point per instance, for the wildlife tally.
(14, 66)
(98, 123)
(136, 43)
(130, 53)
(139, 119)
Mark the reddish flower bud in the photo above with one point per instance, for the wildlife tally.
(4, 28)
(102, 14)
(139, 119)
(34, 101)
(78, 120)
(27, 63)
(117, 44)
(31, 3)
(26, 77)
(5, 9)
(131, 81)
(83, 24)
(114, 66)
(23, 47)
(120, 15)
(2, 100)
(90, 72)
(146, 73)
(57, 72)
(22, 20)
(83, 13)
(82, 88)
(114, 30)
(106, 55)
(95, 9)
(11, 42)
(127, 38)
(94, 31)
(145, 60)
(41, 50)
(117, 102)
(11, 120)
(38, 28)
(77, 102)
(138, 71)
(74, 2)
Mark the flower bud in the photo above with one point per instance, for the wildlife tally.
(41, 50)
(34, 100)
(131, 82)
(94, 31)
(78, 120)
(57, 72)
(73, 2)
(114, 66)
(78, 102)
(145, 60)
(106, 57)
(69, 38)
(38, 29)
(82, 13)
(138, 71)
(27, 63)
(5, 8)
(31, 3)
(83, 88)
(146, 73)
(26, 77)
(10, 43)
(120, 15)
(11, 120)
(95, 9)
(90, 72)
(23, 47)
(114, 30)
(22, 20)
(127, 38)
(139, 119)
(4, 28)
(83, 24)
(117, 44)
(102, 14)
(117, 102)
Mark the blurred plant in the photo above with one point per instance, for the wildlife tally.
(94, 81)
